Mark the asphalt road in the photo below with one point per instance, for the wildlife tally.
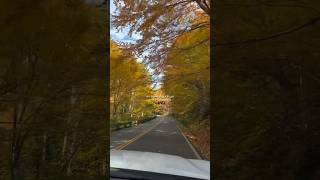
(160, 135)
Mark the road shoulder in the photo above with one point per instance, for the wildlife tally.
(190, 144)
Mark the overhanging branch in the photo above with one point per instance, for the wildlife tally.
(273, 36)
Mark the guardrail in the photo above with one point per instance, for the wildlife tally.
(118, 126)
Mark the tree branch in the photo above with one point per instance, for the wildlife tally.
(273, 36)
(177, 3)
(203, 7)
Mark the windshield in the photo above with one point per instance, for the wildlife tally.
(142, 175)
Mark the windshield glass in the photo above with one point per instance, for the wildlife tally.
(142, 175)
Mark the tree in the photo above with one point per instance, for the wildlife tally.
(264, 103)
(50, 51)
(159, 23)
(187, 76)
(130, 87)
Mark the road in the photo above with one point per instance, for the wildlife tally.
(160, 135)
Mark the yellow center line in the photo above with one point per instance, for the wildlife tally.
(121, 146)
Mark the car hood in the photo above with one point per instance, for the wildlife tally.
(159, 163)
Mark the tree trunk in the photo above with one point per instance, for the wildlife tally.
(38, 169)
(64, 145)
(65, 138)
(72, 152)
(14, 166)
(44, 146)
(104, 168)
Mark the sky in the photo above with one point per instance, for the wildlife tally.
(122, 36)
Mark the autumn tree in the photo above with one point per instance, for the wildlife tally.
(159, 23)
(130, 87)
(265, 100)
(51, 59)
(187, 76)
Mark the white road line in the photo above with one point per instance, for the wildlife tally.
(191, 146)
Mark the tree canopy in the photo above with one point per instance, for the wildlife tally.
(130, 88)
(265, 100)
(159, 23)
(52, 84)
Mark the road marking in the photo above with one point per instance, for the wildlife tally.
(191, 146)
(137, 137)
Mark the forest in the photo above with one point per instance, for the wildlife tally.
(266, 90)
(52, 90)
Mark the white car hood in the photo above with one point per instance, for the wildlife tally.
(160, 163)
